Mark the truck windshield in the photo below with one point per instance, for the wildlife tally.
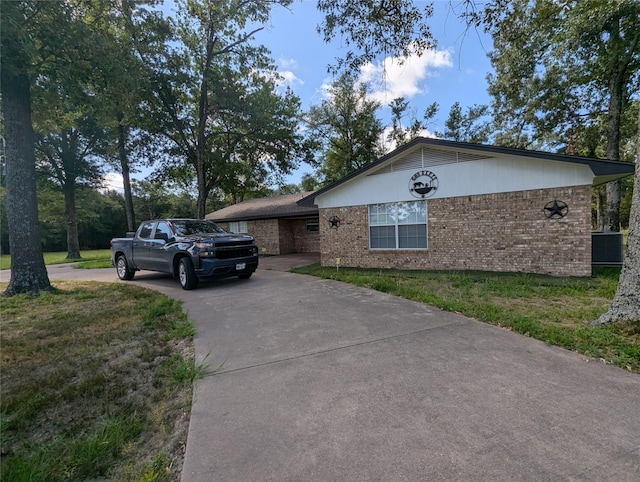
(188, 227)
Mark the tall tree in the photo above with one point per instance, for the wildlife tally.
(216, 101)
(17, 47)
(346, 127)
(400, 134)
(626, 303)
(68, 157)
(68, 94)
(135, 34)
(467, 126)
(564, 64)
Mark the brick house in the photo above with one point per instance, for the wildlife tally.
(279, 224)
(435, 204)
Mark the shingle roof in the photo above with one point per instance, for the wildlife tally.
(284, 206)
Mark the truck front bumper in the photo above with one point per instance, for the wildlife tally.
(210, 268)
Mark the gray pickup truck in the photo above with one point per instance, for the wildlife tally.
(192, 250)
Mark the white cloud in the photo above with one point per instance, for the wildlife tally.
(395, 77)
(113, 182)
(288, 77)
(287, 63)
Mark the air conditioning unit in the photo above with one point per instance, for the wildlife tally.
(606, 249)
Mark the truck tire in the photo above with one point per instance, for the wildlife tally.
(186, 274)
(122, 268)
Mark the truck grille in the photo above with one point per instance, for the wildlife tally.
(235, 252)
(224, 244)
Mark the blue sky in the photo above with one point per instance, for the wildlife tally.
(455, 71)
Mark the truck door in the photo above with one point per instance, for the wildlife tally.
(159, 256)
(141, 245)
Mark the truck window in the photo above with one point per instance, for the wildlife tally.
(145, 230)
(163, 228)
(186, 227)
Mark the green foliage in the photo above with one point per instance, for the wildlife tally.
(400, 134)
(216, 103)
(345, 128)
(468, 126)
(557, 311)
(371, 28)
(565, 72)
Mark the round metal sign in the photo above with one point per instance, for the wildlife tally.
(423, 184)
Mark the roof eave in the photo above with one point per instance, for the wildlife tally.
(300, 214)
(604, 170)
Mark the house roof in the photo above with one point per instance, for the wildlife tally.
(284, 206)
(603, 170)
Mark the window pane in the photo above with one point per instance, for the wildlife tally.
(163, 228)
(313, 224)
(412, 236)
(414, 212)
(382, 237)
(381, 214)
(238, 227)
(145, 230)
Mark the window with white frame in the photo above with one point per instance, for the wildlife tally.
(238, 227)
(400, 225)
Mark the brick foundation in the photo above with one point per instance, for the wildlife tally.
(496, 232)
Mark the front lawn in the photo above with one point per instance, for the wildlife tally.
(555, 310)
(95, 258)
(97, 381)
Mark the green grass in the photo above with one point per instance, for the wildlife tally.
(97, 258)
(96, 382)
(555, 310)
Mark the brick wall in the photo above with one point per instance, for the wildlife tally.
(305, 241)
(265, 232)
(285, 234)
(282, 236)
(496, 232)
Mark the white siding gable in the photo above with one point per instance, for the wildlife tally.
(458, 173)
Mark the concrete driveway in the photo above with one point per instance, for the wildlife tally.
(322, 381)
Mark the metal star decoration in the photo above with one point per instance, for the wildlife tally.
(334, 222)
(556, 209)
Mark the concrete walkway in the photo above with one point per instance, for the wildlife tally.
(317, 380)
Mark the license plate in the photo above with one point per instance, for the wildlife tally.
(240, 266)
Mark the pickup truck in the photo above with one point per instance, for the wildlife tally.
(192, 250)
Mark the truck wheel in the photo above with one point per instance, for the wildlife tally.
(122, 268)
(186, 274)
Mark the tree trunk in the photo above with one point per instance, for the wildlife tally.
(201, 205)
(614, 115)
(600, 195)
(73, 244)
(28, 271)
(126, 175)
(626, 303)
(612, 208)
